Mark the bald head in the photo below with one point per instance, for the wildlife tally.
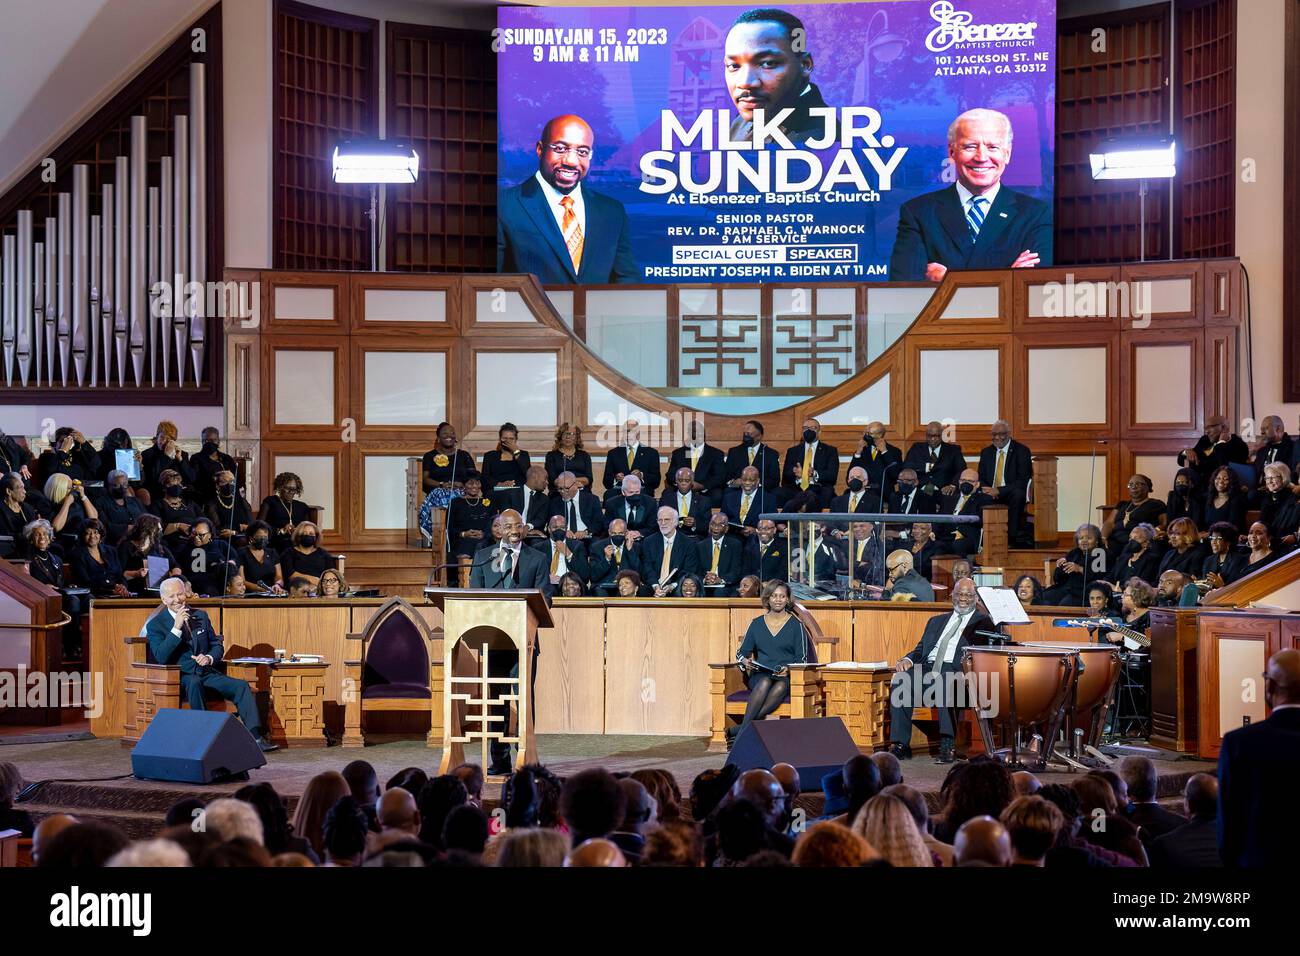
(564, 151)
(788, 777)
(982, 840)
(1282, 684)
(1201, 795)
(47, 830)
(763, 790)
(598, 852)
(397, 810)
(1026, 783)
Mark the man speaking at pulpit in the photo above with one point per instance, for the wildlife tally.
(507, 566)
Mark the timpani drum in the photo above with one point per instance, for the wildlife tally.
(1097, 672)
(1027, 687)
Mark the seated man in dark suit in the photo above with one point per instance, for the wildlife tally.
(908, 499)
(857, 499)
(632, 458)
(720, 556)
(507, 566)
(563, 553)
(937, 462)
(690, 504)
(765, 553)
(551, 226)
(618, 552)
(1274, 445)
(818, 565)
(743, 505)
(667, 554)
(707, 464)
(976, 223)
(1006, 467)
(1196, 842)
(531, 500)
(1259, 776)
(752, 451)
(181, 635)
(1141, 779)
(582, 511)
(861, 549)
(929, 674)
(809, 472)
(877, 457)
(968, 500)
(632, 506)
(1216, 448)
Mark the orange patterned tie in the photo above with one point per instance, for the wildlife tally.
(572, 232)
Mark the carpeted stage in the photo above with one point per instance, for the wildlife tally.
(138, 806)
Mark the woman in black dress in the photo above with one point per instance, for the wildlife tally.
(1223, 565)
(174, 511)
(71, 506)
(143, 540)
(1186, 553)
(1262, 549)
(567, 455)
(1138, 508)
(305, 559)
(95, 565)
(1225, 500)
(1277, 503)
(506, 465)
(15, 513)
(47, 567)
(228, 511)
(283, 510)
(469, 520)
(1139, 558)
(258, 561)
(1086, 562)
(1183, 501)
(773, 642)
(445, 466)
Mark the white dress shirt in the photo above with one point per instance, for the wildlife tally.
(965, 195)
(956, 624)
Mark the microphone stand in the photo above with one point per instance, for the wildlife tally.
(880, 509)
(1092, 474)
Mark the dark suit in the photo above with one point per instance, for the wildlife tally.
(529, 239)
(1017, 470)
(1211, 456)
(604, 570)
(881, 469)
(942, 473)
(919, 504)
(766, 459)
(868, 562)
(577, 563)
(905, 684)
(932, 228)
(825, 462)
(166, 646)
(733, 499)
(638, 511)
(1259, 778)
(584, 504)
(1194, 844)
(731, 563)
(683, 559)
(1154, 820)
(770, 563)
(962, 539)
(646, 461)
(868, 502)
(826, 566)
(529, 570)
(710, 470)
(536, 513)
(699, 510)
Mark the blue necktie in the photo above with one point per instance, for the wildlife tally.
(975, 218)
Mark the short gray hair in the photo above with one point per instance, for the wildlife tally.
(150, 853)
(976, 115)
(229, 818)
(30, 529)
(115, 474)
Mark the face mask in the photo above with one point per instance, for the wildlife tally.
(226, 489)
(747, 440)
(260, 542)
(809, 436)
(308, 541)
(906, 487)
(617, 540)
(117, 492)
(855, 484)
(967, 488)
(1132, 547)
(173, 491)
(1182, 488)
(559, 534)
(209, 447)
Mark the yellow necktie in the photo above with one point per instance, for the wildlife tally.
(997, 472)
(806, 474)
(752, 450)
(555, 559)
(665, 564)
(744, 506)
(861, 544)
(681, 503)
(853, 502)
(811, 578)
(572, 230)
(717, 549)
(695, 459)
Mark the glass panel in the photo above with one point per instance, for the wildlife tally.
(405, 305)
(304, 303)
(627, 328)
(304, 387)
(502, 305)
(317, 474)
(973, 302)
(516, 386)
(405, 388)
(385, 483)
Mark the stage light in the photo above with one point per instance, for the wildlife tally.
(1135, 159)
(375, 161)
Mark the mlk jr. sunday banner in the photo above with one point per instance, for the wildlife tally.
(727, 143)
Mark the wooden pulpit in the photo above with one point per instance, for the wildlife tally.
(476, 624)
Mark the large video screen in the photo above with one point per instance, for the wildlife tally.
(866, 142)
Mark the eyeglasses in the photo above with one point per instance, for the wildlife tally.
(561, 149)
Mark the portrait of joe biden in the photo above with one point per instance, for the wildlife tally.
(976, 223)
(551, 226)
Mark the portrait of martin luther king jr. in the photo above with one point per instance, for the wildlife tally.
(767, 66)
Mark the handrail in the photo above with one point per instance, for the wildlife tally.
(40, 627)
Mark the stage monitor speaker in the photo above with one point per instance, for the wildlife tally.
(195, 746)
(812, 745)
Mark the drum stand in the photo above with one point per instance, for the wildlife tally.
(1131, 720)
(1036, 747)
(1079, 751)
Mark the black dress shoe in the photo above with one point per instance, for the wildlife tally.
(901, 751)
(500, 770)
(945, 752)
(266, 745)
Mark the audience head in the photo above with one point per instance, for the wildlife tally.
(150, 853)
(592, 804)
(595, 852)
(982, 840)
(437, 799)
(533, 848)
(332, 583)
(1259, 537)
(229, 818)
(1201, 796)
(832, 845)
(683, 478)
(1140, 778)
(1282, 679)
(1066, 800)
(271, 811)
(709, 788)
(535, 478)
(471, 775)
(531, 797)
(962, 571)
(690, 586)
(1033, 825)
(766, 530)
(567, 434)
(47, 830)
(914, 800)
(631, 486)
(1223, 537)
(749, 586)
(640, 810)
(861, 780)
(978, 788)
(886, 822)
(673, 843)
(1000, 432)
(764, 791)
(81, 845)
(322, 792)
(344, 832)
(1025, 783)
(466, 830)
(662, 786)
(305, 535)
(363, 782)
(628, 583)
(1096, 798)
(1116, 783)
(397, 811)
(1098, 598)
(890, 768)
(666, 519)
(1028, 589)
(898, 563)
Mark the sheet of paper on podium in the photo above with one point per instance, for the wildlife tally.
(1003, 605)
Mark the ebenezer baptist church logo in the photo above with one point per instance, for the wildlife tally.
(956, 29)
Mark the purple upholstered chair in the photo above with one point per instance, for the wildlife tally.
(393, 672)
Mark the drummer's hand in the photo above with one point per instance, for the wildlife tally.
(904, 665)
(1115, 637)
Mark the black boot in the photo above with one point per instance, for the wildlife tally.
(945, 750)
(901, 751)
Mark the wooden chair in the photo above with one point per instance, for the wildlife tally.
(729, 695)
(9, 847)
(149, 687)
(395, 664)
